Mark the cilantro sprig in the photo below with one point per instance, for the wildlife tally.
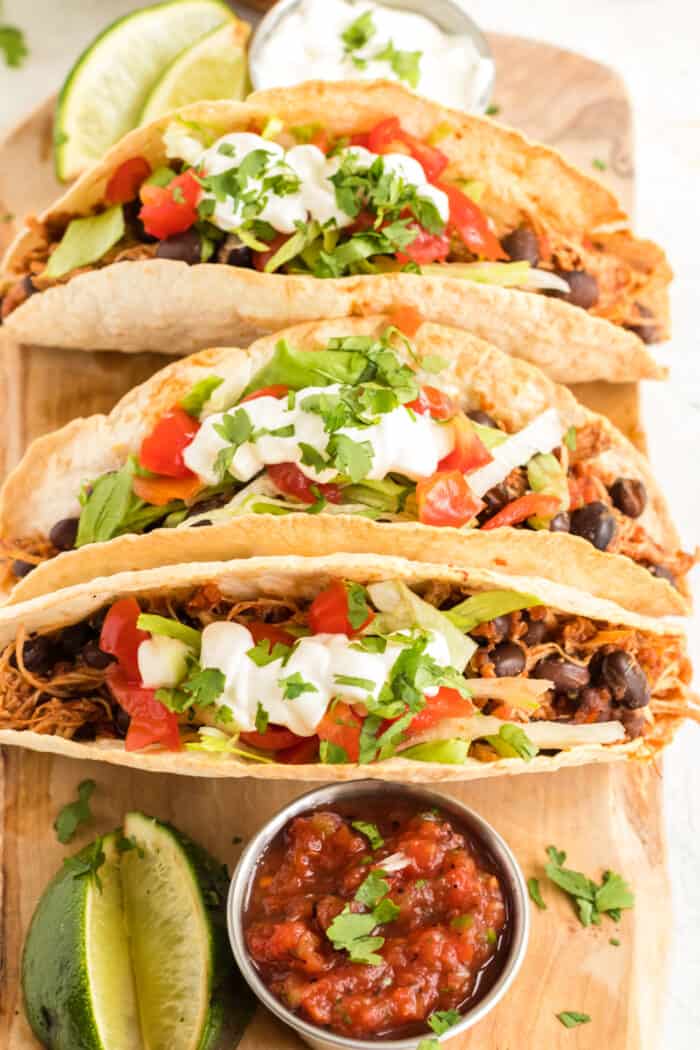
(610, 897)
(72, 815)
(353, 931)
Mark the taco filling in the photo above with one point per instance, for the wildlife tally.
(300, 200)
(358, 428)
(358, 674)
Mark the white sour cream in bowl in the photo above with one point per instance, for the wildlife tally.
(433, 48)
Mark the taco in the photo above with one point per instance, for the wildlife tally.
(343, 666)
(350, 419)
(230, 220)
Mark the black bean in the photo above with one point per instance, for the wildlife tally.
(73, 638)
(211, 503)
(22, 568)
(28, 286)
(508, 660)
(522, 245)
(536, 633)
(483, 418)
(494, 500)
(629, 496)
(646, 329)
(501, 626)
(595, 523)
(583, 288)
(63, 533)
(623, 676)
(235, 253)
(184, 247)
(566, 676)
(134, 224)
(560, 522)
(198, 524)
(38, 655)
(122, 721)
(662, 572)
(94, 656)
(634, 722)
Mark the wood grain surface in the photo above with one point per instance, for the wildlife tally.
(603, 816)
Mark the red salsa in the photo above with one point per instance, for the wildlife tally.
(368, 918)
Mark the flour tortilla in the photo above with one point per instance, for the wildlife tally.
(163, 305)
(44, 487)
(303, 578)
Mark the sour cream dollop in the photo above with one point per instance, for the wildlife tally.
(341, 40)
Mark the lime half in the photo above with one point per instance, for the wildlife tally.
(76, 974)
(214, 67)
(106, 89)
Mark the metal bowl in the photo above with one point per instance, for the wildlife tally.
(449, 15)
(510, 875)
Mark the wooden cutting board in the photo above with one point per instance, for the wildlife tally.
(604, 817)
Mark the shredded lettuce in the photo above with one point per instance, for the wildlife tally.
(487, 606)
(399, 608)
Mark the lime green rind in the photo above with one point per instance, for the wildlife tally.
(55, 981)
(216, 13)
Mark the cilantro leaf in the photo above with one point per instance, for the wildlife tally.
(261, 718)
(264, 652)
(13, 46)
(614, 894)
(196, 399)
(462, 922)
(352, 932)
(351, 458)
(373, 888)
(236, 429)
(513, 742)
(359, 32)
(571, 1018)
(332, 754)
(611, 897)
(294, 686)
(72, 815)
(556, 856)
(533, 888)
(87, 863)
(441, 1020)
(201, 688)
(405, 64)
(358, 606)
(370, 831)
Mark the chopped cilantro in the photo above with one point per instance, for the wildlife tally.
(75, 813)
(332, 754)
(462, 922)
(201, 688)
(13, 46)
(261, 718)
(431, 1043)
(405, 64)
(513, 742)
(294, 686)
(533, 888)
(615, 942)
(370, 831)
(491, 936)
(572, 1019)
(235, 428)
(599, 164)
(373, 888)
(359, 32)
(352, 932)
(87, 863)
(441, 1020)
(357, 683)
(358, 607)
(611, 897)
(264, 652)
(492, 110)
(351, 458)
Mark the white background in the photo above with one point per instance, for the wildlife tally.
(655, 45)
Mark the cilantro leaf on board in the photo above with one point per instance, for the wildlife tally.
(612, 896)
(72, 815)
(572, 1019)
(533, 888)
(13, 46)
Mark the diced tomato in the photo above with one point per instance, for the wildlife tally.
(447, 703)
(406, 318)
(425, 247)
(328, 613)
(446, 499)
(162, 449)
(288, 478)
(124, 184)
(468, 221)
(361, 138)
(469, 452)
(435, 403)
(278, 390)
(530, 505)
(300, 754)
(170, 209)
(159, 491)
(389, 137)
(261, 259)
(121, 637)
(275, 738)
(151, 722)
(270, 632)
(341, 725)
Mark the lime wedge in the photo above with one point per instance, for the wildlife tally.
(76, 974)
(172, 948)
(107, 87)
(214, 67)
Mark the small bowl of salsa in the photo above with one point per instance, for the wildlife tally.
(371, 915)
